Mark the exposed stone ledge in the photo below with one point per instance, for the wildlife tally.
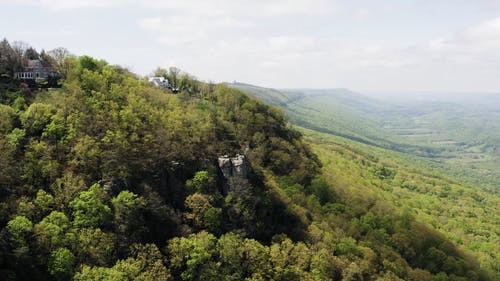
(237, 166)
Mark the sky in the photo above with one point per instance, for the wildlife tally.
(363, 45)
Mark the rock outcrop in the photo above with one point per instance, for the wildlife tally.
(237, 166)
(235, 171)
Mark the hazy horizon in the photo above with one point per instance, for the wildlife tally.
(389, 94)
(367, 46)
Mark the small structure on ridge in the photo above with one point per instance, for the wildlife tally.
(159, 81)
(38, 71)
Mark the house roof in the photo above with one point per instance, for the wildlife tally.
(38, 63)
(157, 78)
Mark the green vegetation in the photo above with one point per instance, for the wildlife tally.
(457, 135)
(360, 164)
(467, 216)
(112, 178)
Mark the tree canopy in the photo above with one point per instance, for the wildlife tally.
(112, 178)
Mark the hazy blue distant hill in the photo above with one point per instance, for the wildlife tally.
(343, 97)
(459, 132)
(437, 155)
(269, 96)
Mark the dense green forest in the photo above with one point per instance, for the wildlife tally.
(466, 215)
(108, 177)
(347, 130)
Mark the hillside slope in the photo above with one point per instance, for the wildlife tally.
(111, 178)
(467, 216)
(458, 135)
(366, 169)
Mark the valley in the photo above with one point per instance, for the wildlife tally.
(443, 157)
(105, 175)
(450, 133)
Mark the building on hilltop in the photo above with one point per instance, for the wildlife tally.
(159, 81)
(37, 69)
(162, 82)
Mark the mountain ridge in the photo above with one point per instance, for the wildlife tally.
(445, 132)
(112, 178)
(333, 147)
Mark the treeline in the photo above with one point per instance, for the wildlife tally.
(111, 178)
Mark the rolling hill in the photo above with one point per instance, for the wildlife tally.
(456, 134)
(438, 159)
(109, 177)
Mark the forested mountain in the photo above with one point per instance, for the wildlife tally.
(431, 178)
(109, 177)
(459, 134)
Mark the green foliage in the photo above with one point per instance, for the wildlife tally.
(56, 129)
(212, 219)
(203, 215)
(241, 258)
(144, 264)
(88, 63)
(99, 274)
(323, 266)
(417, 195)
(7, 118)
(192, 257)
(364, 215)
(346, 246)
(44, 201)
(199, 182)
(89, 209)
(19, 104)
(61, 264)
(334, 208)
(15, 137)
(36, 117)
(51, 232)
(383, 172)
(320, 187)
(20, 229)
(95, 247)
(129, 212)
(148, 260)
(459, 137)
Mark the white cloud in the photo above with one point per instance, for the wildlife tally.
(178, 30)
(486, 34)
(464, 61)
(362, 14)
(232, 50)
(475, 45)
(294, 7)
(290, 43)
(214, 7)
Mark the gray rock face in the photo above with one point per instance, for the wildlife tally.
(237, 166)
(225, 166)
(241, 168)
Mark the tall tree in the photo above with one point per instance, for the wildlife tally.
(61, 264)
(31, 54)
(129, 220)
(89, 209)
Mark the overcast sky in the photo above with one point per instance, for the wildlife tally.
(364, 45)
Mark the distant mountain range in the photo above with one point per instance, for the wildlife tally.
(458, 132)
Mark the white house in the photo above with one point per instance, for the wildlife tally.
(37, 69)
(159, 81)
